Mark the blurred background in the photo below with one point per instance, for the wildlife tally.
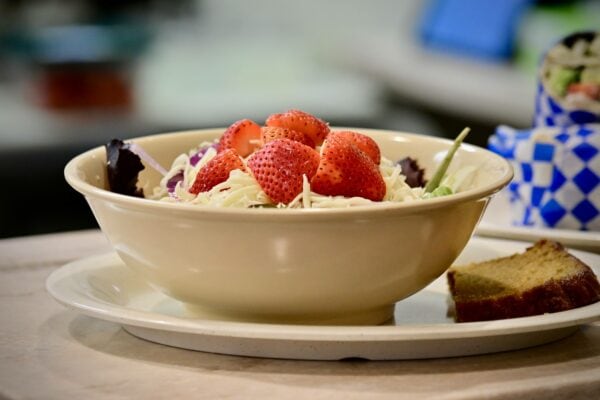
(76, 73)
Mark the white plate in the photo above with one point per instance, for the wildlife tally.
(103, 287)
(496, 223)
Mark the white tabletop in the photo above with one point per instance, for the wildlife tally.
(49, 352)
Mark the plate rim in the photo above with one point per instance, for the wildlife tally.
(414, 332)
(500, 202)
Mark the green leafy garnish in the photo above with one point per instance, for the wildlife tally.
(441, 171)
(438, 192)
(560, 78)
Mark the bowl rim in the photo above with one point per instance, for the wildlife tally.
(88, 190)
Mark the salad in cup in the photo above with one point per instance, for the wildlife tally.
(290, 220)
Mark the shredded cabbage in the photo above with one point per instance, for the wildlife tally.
(242, 190)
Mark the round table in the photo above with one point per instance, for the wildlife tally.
(49, 352)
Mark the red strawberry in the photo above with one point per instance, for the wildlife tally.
(300, 121)
(243, 136)
(216, 171)
(347, 171)
(363, 142)
(279, 165)
(270, 133)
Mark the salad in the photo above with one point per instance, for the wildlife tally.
(571, 71)
(294, 161)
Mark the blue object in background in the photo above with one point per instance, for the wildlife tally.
(557, 175)
(483, 29)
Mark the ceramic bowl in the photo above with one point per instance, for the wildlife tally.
(311, 266)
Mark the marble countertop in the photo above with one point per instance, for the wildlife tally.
(49, 352)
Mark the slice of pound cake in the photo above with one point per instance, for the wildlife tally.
(543, 279)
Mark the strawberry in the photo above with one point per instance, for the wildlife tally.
(216, 171)
(363, 142)
(300, 121)
(270, 133)
(345, 170)
(243, 136)
(278, 168)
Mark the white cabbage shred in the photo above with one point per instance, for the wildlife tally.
(241, 190)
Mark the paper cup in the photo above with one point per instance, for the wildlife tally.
(557, 162)
(557, 175)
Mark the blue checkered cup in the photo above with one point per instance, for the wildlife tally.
(557, 162)
(557, 175)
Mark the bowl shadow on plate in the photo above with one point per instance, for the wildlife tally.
(581, 345)
(408, 311)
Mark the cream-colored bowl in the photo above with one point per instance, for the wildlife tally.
(317, 266)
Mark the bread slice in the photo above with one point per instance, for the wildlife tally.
(543, 279)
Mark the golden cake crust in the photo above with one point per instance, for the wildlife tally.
(577, 287)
